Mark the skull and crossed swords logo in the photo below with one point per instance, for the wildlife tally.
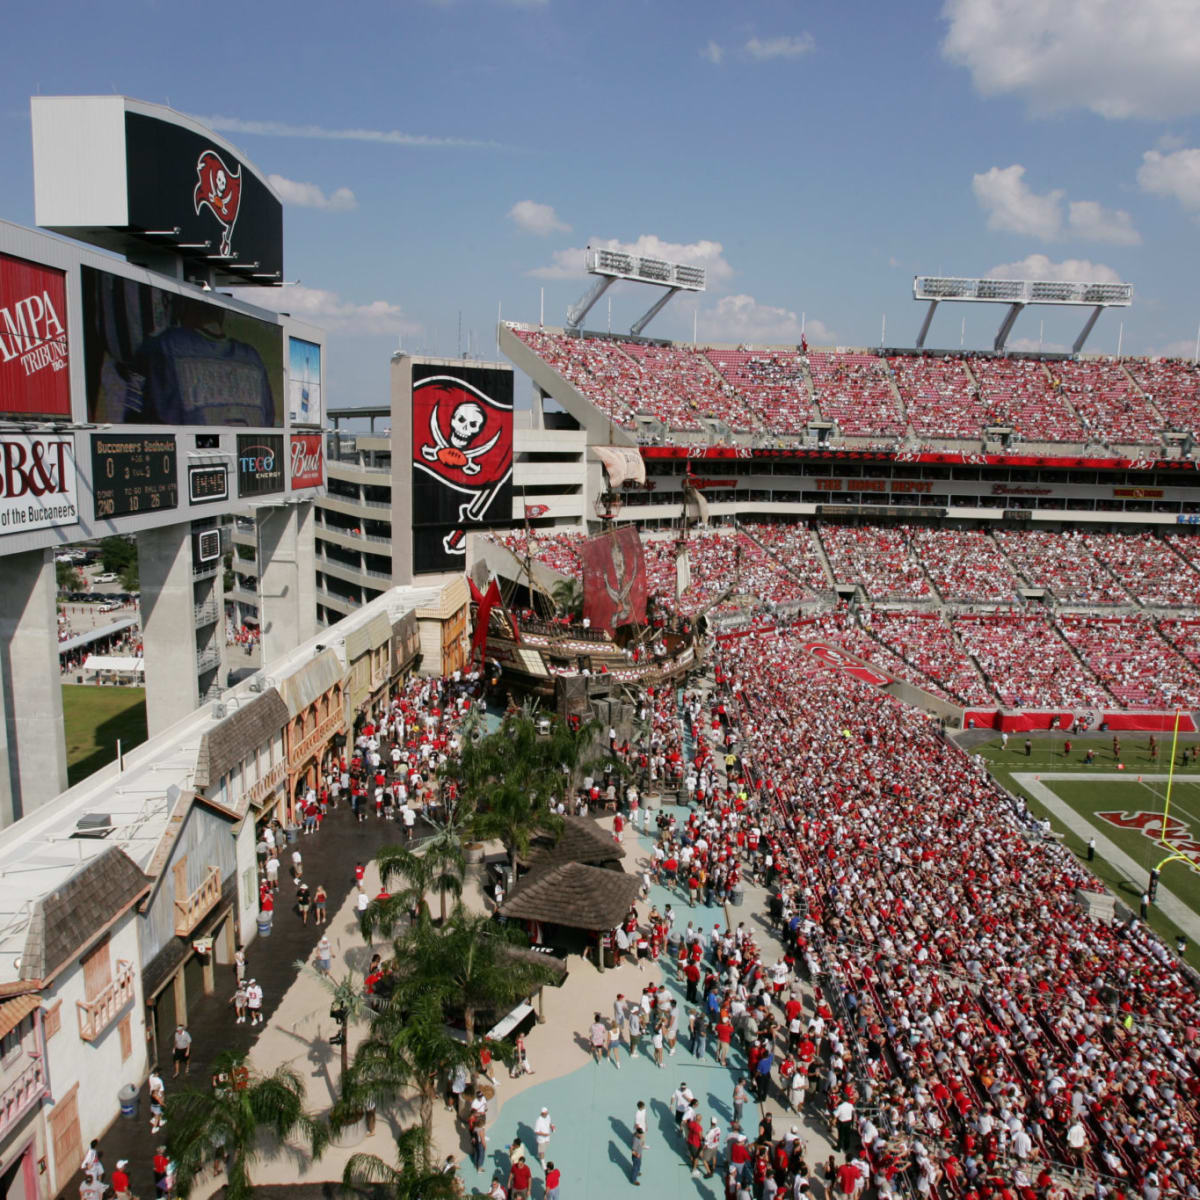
(466, 424)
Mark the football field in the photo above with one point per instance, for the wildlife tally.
(1121, 804)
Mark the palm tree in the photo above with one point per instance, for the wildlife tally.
(439, 865)
(227, 1122)
(470, 965)
(415, 1175)
(409, 1046)
(345, 994)
(567, 595)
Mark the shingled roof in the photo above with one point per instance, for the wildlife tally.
(238, 736)
(70, 917)
(582, 840)
(575, 895)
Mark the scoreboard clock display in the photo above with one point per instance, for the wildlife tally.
(134, 474)
(208, 484)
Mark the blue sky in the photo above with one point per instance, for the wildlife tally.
(438, 158)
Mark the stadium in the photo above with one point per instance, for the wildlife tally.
(899, 646)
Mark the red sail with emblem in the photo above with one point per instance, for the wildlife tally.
(614, 579)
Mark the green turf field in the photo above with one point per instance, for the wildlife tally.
(95, 717)
(1128, 796)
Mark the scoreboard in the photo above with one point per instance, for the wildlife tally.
(134, 473)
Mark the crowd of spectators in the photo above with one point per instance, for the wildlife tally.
(939, 397)
(773, 386)
(855, 391)
(966, 566)
(1110, 407)
(1126, 402)
(881, 559)
(1062, 562)
(1173, 386)
(1148, 567)
(1139, 669)
(926, 642)
(794, 545)
(1026, 661)
(1018, 393)
(1007, 1040)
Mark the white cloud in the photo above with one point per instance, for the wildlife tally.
(1070, 270)
(1032, 344)
(1012, 206)
(1176, 175)
(330, 311)
(714, 52)
(1112, 57)
(572, 262)
(743, 319)
(393, 137)
(536, 218)
(796, 46)
(1094, 223)
(1183, 348)
(308, 195)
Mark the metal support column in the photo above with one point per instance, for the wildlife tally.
(652, 312)
(926, 323)
(1088, 325)
(1014, 311)
(577, 312)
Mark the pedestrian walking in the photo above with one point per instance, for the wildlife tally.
(479, 1146)
(158, 1100)
(636, 1150)
(543, 1127)
(297, 867)
(182, 1050)
(553, 1178)
(120, 1180)
(635, 1029)
(239, 964)
(598, 1035)
(320, 896)
(324, 954)
(238, 1000)
(303, 902)
(614, 1044)
(741, 1094)
(254, 999)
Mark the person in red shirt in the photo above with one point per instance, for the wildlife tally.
(519, 1178)
(695, 1140)
(553, 1175)
(847, 1177)
(120, 1179)
(724, 1037)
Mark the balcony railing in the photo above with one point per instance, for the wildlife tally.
(19, 1096)
(191, 911)
(95, 1016)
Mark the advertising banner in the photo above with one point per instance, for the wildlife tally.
(304, 382)
(259, 464)
(37, 482)
(177, 177)
(153, 357)
(34, 380)
(614, 579)
(462, 458)
(307, 460)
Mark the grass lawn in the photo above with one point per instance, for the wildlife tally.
(95, 717)
(1091, 796)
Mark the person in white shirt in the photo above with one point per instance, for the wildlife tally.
(543, 1127)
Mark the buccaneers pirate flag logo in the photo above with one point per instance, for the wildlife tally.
(220, 191)
(462, 442)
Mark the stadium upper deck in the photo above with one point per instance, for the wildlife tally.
(668, 393)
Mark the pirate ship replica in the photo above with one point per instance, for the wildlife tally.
(622, 636)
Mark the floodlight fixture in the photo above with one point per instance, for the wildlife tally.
(1017, 294)
(611, 265)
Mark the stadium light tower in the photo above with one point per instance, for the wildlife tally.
(1017, 293)
(610, 265)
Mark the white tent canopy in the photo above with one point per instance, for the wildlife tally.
(115, 664)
